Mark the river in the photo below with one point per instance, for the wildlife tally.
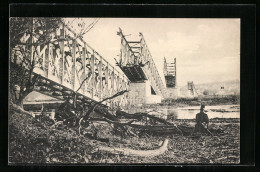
(220, 111)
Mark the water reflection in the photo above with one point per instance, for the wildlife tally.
(223, 111)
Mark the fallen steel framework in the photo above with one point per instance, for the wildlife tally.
(137, 63)
(68, 63)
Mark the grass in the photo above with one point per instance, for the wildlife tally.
(31, 141)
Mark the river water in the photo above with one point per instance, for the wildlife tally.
(220, 111)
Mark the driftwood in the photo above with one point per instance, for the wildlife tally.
(141, 153)
(68, 112)
(157, 129)
(103, 112)
(167, 128)
(91, 109)
(148, 127)
(158, 125)
(141, 116)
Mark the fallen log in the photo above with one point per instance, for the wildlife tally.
(163, 129)
(118, 125)
(110, 121)
(105, 113)
(140, 116)
(142, 153)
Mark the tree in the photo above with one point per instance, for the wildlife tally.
(26, 34)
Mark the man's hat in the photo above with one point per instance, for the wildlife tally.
(202, 106)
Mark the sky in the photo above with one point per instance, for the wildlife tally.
(206, 50)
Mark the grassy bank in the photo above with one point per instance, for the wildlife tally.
(31, 141)
(225, 100)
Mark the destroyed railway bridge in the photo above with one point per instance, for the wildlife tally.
(69, 64)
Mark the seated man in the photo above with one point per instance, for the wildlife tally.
(202, 121)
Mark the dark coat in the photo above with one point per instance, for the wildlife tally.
(202, 117)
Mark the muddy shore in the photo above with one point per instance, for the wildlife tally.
(32, 142)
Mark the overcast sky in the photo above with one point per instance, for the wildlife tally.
(207, 50)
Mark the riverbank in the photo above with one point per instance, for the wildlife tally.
(206, 100)
(31, 141)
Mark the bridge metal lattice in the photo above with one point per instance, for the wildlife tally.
(137, 63)
(67, 60)
(169, 71)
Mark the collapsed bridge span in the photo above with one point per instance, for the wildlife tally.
(136, 62)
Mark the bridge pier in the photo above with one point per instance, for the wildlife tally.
(142, 93)
(172, 93)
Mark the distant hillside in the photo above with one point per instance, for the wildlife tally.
(219, 88)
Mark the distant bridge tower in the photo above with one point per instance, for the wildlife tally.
(170, 74)
(169, 71)
(192, 90)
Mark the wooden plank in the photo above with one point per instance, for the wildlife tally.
(133, 42)
(92, 62)
(74, 65)
(113, 80)
(62, 53)
(84, 67)
(100, 73)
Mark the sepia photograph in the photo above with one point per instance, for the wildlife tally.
(124, 90)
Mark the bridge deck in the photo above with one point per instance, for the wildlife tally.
(134, 73)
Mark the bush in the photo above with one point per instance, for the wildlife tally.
(206, 92)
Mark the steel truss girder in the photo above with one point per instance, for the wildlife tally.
(130, 58)
(70, 61)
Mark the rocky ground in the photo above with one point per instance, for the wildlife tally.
(34, 141)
